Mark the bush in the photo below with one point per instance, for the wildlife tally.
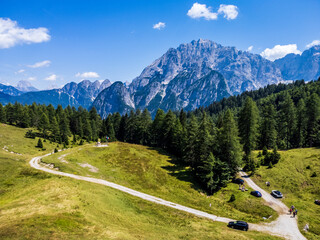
(232, 198)
(308, 167)
(39, 145)
(81, 142)
(55, 150)
(30, 134)
(264, 151)
(314, 174)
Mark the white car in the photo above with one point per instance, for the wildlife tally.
(276, 194)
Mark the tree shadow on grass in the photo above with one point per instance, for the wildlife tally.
(179, 170)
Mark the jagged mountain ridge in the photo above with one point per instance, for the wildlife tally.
(73, 94)
(305, 66)
(9, 90)
(196, 74)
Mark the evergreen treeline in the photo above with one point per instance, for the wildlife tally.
(214, 141)
(57, 125)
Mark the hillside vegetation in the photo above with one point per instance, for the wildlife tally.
(297, 176)
(36, 205)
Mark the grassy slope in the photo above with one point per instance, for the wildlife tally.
(148, 171)
(36, 205)
(294, 180)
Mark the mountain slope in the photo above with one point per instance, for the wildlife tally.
(115, 98)
(305, 66)
(198, 73)
(73, 94)
(25, 86)
(9, 90)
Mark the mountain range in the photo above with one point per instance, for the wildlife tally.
(191, 75)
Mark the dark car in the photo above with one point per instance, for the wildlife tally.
(276, 194)
(239, 225)
(317, 202)
(256, 193)
(238, 181)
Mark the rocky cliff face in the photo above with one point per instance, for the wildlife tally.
(305, 66)
(115, 98)
(198, 73)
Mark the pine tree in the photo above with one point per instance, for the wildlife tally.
(301, 124)
(205, 173)
(287, 122)
(2, 114)
(40, 145)
(229, 148)
(167, 130)
(54, 128)
(44, 124)
(190, 149)
(120, 135)
(313, 115)
(268, 127)
(202, 142)
(156, 126)
(248, 125)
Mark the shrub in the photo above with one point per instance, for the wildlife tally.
(39, 145)
(308, 167)
(55, 150)
(314, 174)
(30, 134)
(232, 198)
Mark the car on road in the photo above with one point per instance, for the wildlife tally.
(241, 225)
(256, 193)
(238, 181)
(317, 202)
(276, 194)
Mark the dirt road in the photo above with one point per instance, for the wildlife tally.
(284, 226)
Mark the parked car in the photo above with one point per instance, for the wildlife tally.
(256, 193)
(239, 225)
(276, 194)
(317, 202)
(238, 181)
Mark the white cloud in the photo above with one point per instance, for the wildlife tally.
(198, 10)
(202, 11)
(313, 43)
(45, 63)
(20, 71)
(230, 11)
(32, 78)
(250, 49)
(279, 51)
(159, 25)
(52, 77)
(87, 75)
(11, 34)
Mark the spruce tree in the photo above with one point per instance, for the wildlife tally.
(313, 115)
(2, 114)
(229, 148)
(190, 149)
(301, 124)
(39, 144)
(156, 126)
(287, 122)
(268, 132)
(248, 125)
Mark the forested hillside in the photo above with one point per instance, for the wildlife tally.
(213, 141)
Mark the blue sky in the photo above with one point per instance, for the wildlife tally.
(50, 43)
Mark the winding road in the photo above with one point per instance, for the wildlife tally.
(283, 226)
